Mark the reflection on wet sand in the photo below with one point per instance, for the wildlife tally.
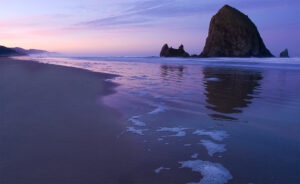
(229, 90)
(172, 71)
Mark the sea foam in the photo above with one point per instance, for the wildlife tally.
(135, 121)
(179, 131)
(217, 135)
(212, 147)
(136, 131)
(194, 155)
(160, 169)
(212, 79)
(159, 108)
(213, 173)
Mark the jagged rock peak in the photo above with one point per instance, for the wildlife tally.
(233, 34)
(167, 51)
(285, 53)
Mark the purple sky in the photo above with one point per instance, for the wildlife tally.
(137, 27)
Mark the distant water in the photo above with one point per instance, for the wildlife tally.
(229, 119)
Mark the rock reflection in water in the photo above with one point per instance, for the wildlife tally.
(229, 90)
(172, 72)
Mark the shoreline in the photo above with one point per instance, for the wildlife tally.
(109, 88)
(53, 127)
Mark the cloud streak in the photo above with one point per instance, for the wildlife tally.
(146, 13)
(150, 12)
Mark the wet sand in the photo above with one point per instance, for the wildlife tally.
(169, 121)
(54, 130)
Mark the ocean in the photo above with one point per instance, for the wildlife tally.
(211, 120)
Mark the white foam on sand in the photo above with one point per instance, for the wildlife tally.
(179, 131)
(212, 79)
(136, 131)
(138, 77)
(135, 121)
(212, 147)
(217, 135)
(135, 117)
(160, 169)
(194, 155)
(213, 173)
(159, 108)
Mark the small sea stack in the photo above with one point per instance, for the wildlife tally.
(284, 54)
(233, 34)
(167, 51)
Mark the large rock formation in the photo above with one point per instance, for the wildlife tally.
(171, 52)
(233, 34)
(284, 54)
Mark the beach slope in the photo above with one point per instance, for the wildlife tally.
(54, 128)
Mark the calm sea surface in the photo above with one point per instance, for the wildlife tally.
(211, 120)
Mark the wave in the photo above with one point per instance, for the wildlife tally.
(90, 62)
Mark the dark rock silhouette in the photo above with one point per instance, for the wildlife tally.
(233, 34)
(284, 54)
(171, 52)
(17, 51)
(4, 51)
(30, 51)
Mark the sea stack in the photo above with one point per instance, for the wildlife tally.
(233, 34)
(284, 54)
(171, 52)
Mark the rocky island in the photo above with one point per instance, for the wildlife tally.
(167, 51)
(231, 34)
(284, 54)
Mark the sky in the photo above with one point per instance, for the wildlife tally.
(137, 27)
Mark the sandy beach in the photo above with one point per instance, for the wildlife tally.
(54, 128)
(71, 120)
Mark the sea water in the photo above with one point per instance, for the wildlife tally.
(214, 120)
